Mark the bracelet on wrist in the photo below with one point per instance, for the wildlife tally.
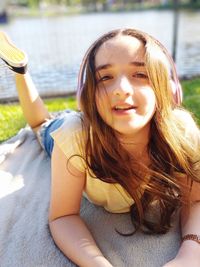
(191, 237)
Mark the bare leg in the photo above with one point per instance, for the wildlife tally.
(32, 105)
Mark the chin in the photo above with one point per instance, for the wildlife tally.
(132, 129)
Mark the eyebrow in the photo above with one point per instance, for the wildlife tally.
(102, 67)
(107, 66)
(138, 63)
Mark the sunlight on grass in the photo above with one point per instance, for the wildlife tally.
(12, 119)
(191, 87)
(192, 97)
(61, 104)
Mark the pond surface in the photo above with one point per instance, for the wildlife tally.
(56, 45)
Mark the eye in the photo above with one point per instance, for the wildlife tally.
(104, 78)
(140, 75)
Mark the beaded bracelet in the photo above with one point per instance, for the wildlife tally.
(192, 237)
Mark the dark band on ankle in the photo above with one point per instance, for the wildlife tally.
(20, 70)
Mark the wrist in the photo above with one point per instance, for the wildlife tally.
(193, 237)
(189, 248)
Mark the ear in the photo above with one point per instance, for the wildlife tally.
(177, 92)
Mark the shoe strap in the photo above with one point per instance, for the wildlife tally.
(20, 70)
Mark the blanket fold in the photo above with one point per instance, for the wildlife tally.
(25, 240)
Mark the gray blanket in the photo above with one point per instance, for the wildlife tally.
(25, 240)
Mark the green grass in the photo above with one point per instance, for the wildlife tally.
(12, 120)
(191, 95)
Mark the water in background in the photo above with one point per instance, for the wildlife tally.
(56, 45)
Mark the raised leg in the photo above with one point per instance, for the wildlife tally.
(32, 105)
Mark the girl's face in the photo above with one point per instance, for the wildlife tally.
(124, 97)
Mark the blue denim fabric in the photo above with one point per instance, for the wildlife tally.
(48, 127)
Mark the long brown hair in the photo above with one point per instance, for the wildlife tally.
(161, 186)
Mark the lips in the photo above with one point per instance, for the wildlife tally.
(124, 107)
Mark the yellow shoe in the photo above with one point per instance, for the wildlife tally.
(15, 58)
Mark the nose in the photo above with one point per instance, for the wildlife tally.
(123, 87)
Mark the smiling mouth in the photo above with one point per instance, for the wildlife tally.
(125, 108)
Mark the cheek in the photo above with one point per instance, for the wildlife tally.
(148, 100)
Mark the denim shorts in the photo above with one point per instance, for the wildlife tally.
(50, 125)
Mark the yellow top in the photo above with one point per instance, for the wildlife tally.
(70, 138)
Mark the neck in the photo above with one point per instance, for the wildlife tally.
(138, 150)
(137, 146)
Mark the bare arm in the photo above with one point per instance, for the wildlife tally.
(67, 228)
(190, 221)
(189, 252)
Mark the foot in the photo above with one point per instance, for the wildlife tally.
(15, 58)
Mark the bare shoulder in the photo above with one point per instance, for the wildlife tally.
(66, 187)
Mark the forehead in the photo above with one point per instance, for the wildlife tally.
(120, 49)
